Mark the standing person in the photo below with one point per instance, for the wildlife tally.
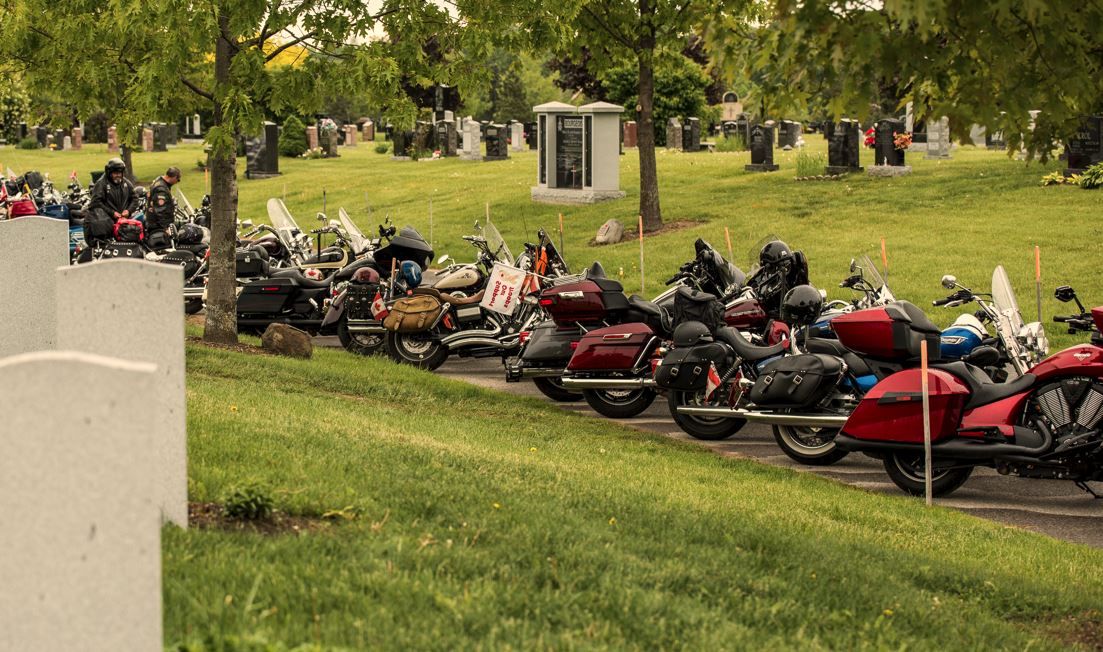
(161, 209)
(113, 199)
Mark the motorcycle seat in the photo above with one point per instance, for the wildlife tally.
(745, 349)
(643, 305)
(855, 364)
(658, 318)
(296, 275)
(982, 390)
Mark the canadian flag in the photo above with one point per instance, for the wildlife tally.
(378, 308)
(713, 381)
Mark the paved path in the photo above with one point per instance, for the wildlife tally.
(1053, 507)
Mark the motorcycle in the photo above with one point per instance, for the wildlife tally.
(593, 302)
(1043, 425)
(462, 324)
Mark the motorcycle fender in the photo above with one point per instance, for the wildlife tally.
(336, 310)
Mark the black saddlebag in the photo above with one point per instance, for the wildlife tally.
(688, 369)
(797, 381)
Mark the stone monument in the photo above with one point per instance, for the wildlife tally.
(578, 153)
(762, 149)
(844, 147)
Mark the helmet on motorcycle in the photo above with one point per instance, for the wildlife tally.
(691, 333)
(114, 165)
(411, 274)
(773, 253)
(801, 305)
(366, 276)
(140, 192)
(313, 274)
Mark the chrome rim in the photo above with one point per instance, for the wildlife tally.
(809, 440)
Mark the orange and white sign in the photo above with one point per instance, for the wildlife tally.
(505, 289)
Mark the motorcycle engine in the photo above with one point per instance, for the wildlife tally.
(1073, 407)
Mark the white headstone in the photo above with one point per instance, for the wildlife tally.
(67, 142)
(31, 248)
(517, 137)
(80, 554)
(976, 135)
(472, 140)
(938, 138)
(135, 312)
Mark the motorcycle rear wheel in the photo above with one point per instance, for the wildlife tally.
(619, 403)
(906, 472)
(811, 446)
(704, 428)
(358, 343)
(553, 389)
(192, 306)
(417, 349)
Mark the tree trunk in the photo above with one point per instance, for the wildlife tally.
(645, 135)
(127, 154)
(221, 325)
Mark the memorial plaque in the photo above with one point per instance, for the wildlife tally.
(1085, 148)
(569, 149)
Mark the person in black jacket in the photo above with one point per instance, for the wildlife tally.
(113, 199)
(160, 208)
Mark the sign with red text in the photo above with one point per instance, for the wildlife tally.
(505, 289)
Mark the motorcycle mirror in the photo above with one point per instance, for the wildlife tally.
(443, 259)
(247, 224)
(322, 217)
(853, 265)
(1064, 294)
(335, 224)
(949, 281)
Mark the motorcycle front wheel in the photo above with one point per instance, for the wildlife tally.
(906, 472)
(619, 403)
(358, 343)
(809, 445)
(553, 388)
(418, 349)
(700, 427)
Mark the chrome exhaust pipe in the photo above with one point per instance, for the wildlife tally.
(541, 373)
(373, 329)
(608, 383)
(460, 343)
(194, 293)
(460, 338)
(772, 418)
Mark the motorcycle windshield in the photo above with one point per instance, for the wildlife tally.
(182, 200)
(872, 276)
(496, 244)
(1003, 296)
(356, 237)
(728, 276)
(555, 259)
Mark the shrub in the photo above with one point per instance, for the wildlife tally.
(809, 165)
(292, 137)
(248, 503)
(28, 143)
(382, 148)
(1055, 178)
(1092, 177)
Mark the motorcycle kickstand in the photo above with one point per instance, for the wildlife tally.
(1084, 486)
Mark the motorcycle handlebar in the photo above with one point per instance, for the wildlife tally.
(943, 302)
(675, 278)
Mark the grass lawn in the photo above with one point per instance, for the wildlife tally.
(963, 216)
(473, 520)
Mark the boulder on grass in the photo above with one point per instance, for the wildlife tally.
(282, 339)
(611, 232)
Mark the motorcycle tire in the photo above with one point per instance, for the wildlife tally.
(416, 349)
(811, 446)
(192, 306)
(906, 472)
(618, 403)
(359, 343)
(553, 389)
(703, 428)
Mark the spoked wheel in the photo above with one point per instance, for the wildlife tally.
(417, 349)
(701, 427)
(359, 343)
(809, 445)
(619, 403)
(192, 306)
(906, 471)
(553, 388)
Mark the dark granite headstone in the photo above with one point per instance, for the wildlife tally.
(994, 141)
(762, 149)
(884, 147)
(160, 136)
(403, 142)
(22, 130)
(497, 142)
(59, 138)
(844, 147)
(691, 135)
(1085, 148)
(424, 136)
(172, 136)
(530, 134)
(828, 130)
(40, 134)
(446, 137)
(262, 153)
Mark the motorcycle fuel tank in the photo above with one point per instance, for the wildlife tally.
(460, 279)
(745, 314)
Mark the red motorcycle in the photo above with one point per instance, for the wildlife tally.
(1044, 424)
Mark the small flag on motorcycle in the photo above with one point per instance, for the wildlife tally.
(378, 308)
(712, 382)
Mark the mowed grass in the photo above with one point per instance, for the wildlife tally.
(962, 216)
(485, 521)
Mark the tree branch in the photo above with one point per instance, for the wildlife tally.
(195, 89)
(614, 34)
(290, 44)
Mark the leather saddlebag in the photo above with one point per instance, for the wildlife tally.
(413, 314)
(797, 381)
(687, 369)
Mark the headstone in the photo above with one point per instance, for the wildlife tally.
(197, 125)
(995, 140)
(691, 135)
(530, 134)
(424, 136)
(1085, 148)
(31, 248)
(160, 137)
(630, 134)
(674, 134)
(329, 141)
(578, 153)
(172, 134)
(41, 134)
(976, 135)
(312, 137)
(732, 107)
(367, 131)
(447, 140)
(67, 142)
(50, 141)
(472, 140)
(611, 232)
(262, 154)
(81, 551)
(844, 148)
(888, 161)
(516, 137)
(134, 314)
(828, 130)
(59, 138)
(497, 143)
(22, 128)
(147, 139)
(350, 135)
(112, 139)
(938, 139)
(762, 149)
(403, 142)
(789, 133)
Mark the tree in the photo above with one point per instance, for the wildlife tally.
(680, 90)
(986, 63)
(293, 137)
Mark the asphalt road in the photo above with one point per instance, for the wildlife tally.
(1056, 508)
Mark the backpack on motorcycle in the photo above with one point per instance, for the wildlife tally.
(687, 369)
(797, 381)
(22, 208)
(413, 314)
(694, 305)
(189, 234)
(127, 230)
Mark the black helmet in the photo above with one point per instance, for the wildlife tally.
(773, 252)
(691, 333)
(115, 165)
(801, 306)
(140, 192)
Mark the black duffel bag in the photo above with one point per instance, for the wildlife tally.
(688, 369)
(694, 305)
(797, 381)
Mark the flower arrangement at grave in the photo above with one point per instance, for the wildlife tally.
(327, 126)
(901, 141)
(870, 138)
